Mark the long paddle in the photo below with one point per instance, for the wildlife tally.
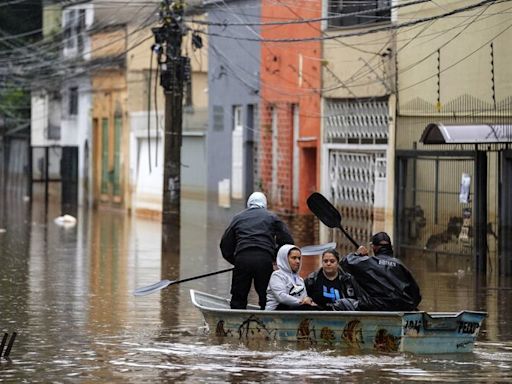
(327, 213)
(165, 283)
(307, 250)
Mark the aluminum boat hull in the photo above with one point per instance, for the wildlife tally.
(415, 332)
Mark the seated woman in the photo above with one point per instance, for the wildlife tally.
(286, 288)
(331, 288)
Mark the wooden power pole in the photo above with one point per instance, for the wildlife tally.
(174, 70)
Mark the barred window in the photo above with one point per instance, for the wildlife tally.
(378, 11)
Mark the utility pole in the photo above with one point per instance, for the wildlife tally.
(174, 70)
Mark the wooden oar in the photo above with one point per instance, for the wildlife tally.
(165, 283)
(327, 213)
(306, 251)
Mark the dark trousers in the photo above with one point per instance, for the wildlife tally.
(251, 264)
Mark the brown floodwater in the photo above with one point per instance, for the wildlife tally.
(67, 292)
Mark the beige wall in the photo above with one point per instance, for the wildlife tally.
(465, 58)
(109, 96)
(109, 43)
(354, 67)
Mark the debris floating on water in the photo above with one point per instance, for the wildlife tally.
(66, 221)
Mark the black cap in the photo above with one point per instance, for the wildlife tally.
(381, 238)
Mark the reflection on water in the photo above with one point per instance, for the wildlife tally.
(67, 292)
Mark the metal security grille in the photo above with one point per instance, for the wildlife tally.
(361, 121)
(353, 180)
(431, 215)
(356, 131)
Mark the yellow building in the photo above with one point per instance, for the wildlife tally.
(109, 117)
(128, 113)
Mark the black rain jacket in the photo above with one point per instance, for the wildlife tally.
(389, 285)
(254, 227)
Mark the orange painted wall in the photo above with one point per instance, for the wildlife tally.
(285, 82)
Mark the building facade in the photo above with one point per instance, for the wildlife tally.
(60, 123)
(110, 146)
(290, 110)
(146, 106)
(358, 103)
(454, 74)
(233, 107)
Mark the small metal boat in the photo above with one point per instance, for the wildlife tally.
(415, 332)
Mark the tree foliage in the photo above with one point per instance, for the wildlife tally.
(20, 25)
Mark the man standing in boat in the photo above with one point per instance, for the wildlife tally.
(250, 243)
(389, 285)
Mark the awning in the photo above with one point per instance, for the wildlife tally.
(436, 133)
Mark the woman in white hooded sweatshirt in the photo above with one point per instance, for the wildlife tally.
(286, 289)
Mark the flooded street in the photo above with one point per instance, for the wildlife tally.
(67, 292)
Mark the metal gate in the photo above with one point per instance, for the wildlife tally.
(355, 139)
(443, 208)
(432, 215)
(505, 204)
(55, 174)
(356, 179)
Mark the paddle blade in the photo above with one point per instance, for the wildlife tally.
(143, 291)
(324, 210)
(317, 249)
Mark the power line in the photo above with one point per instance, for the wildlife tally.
(416, 63)
(361, 33)
(349, 83)
(311, 20)
(58, 64)
(401, 71)
(458, 61)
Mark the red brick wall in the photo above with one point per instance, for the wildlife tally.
(282, 202)
(290, 75)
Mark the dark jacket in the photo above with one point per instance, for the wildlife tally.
(254, 227)
(350, 288)
(389, 284)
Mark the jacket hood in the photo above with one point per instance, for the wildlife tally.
(282, 259)
(257, 200)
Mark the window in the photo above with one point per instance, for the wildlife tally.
(69, 17)
(296, 164)
(80, 28)
(73, 101)
(218, 118)
(275, 153)
(378, 11)
(237, 154)
(54, 116)
(74, 28)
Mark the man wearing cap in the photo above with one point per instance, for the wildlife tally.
(250, 243)
(389, 284)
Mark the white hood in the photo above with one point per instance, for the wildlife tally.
(285, 287)
(282, 259)
(257, 200)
